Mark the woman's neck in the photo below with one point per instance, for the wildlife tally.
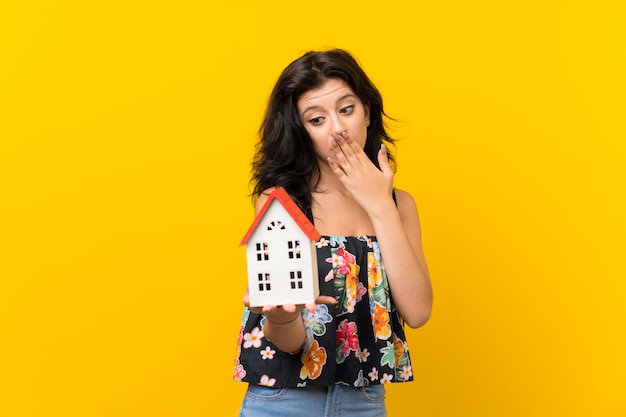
(335, 211)
(326, 181)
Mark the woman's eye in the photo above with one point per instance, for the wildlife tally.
(347, 109)
(316, 121)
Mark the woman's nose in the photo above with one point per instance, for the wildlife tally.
(337, 125)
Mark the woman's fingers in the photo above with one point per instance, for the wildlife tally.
(326, 299)
(345, 148)
(287, 308)
(322, 299)
(347, 153)
(383, 160)
(341, 153)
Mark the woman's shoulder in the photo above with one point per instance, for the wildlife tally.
(262, 198)
(266, 193)
(406, 203)
(403, 197)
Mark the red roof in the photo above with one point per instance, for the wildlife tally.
(292, 208)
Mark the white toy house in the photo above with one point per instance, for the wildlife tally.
(281, 254)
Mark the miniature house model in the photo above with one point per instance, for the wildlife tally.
(281, 255)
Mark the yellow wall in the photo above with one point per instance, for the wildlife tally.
(126, 130)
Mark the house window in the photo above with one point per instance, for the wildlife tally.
(264, 282)
(276, 225)
(295, 278)
(262, 251)
(294, 249)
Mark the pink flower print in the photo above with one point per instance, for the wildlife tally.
(362, 355)
(347, 256)
(347, 337)
(341, 260)
(240, 337)
(330, 276)
(268, 353)
(335, 260)
(374, 374)
(360, 291)
(267, 381)
(239, 340)
(346, 261)
(322, 242)
(240, 373)
(386, 379)
(253, 338)
(406, 373)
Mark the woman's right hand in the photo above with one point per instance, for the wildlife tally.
(284, 313)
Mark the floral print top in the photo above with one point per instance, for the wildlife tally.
(359, 341)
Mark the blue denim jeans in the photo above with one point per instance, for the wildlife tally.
(337, 400)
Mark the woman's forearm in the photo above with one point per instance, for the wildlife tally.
(288, 336)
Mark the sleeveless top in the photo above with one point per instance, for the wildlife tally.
(359, 341)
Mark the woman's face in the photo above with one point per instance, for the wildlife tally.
(331, 109)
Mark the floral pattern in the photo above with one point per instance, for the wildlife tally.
(359, 341)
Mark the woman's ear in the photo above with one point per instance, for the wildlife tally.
(366, 107)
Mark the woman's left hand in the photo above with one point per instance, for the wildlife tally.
(354, 169)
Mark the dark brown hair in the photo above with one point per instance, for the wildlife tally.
(284, 153)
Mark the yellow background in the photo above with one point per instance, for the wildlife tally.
(126, 131)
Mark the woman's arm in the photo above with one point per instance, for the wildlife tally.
(283, 324)
(398, 233)
(397, 228)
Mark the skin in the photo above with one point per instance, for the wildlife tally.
(349, 182)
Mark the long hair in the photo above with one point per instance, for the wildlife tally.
(285, 156)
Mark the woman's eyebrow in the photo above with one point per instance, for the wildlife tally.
(345, 97)
(313, 107)
(308, 108)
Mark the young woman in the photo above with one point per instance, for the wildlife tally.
(324, 140)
